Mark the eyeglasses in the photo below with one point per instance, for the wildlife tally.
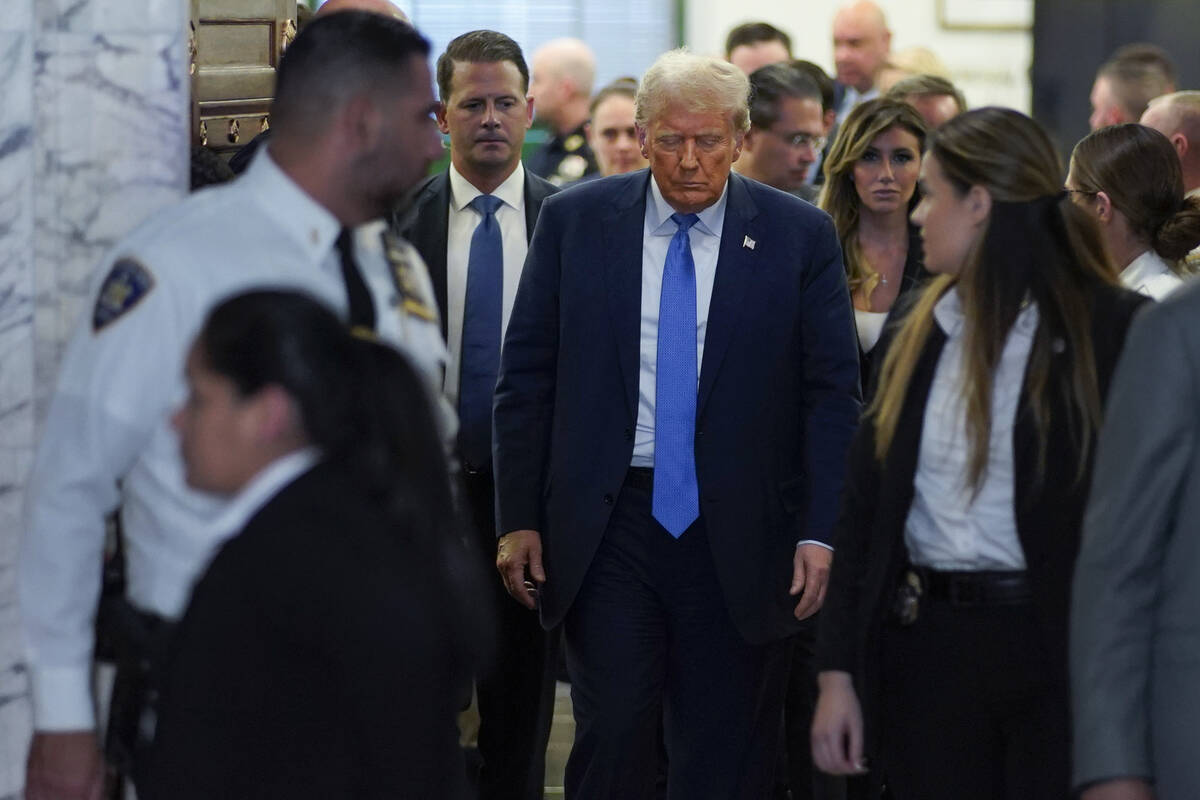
(799, 140)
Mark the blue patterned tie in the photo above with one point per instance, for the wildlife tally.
(480, 361)
(676, 501)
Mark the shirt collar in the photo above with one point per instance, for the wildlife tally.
(261, 488)
(308, 222)
(1146, 266)
(511, 192)
(948, 313)
(659, 211)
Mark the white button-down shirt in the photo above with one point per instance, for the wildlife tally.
(461, 227)
(108, 440)
(705, 239)
(947, 528)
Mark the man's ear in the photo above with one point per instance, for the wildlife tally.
(641, 137)
(361, 123)
(528, 111)
(439, 113)
(1180, 143)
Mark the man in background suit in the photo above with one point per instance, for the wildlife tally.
(1135, 616)
(678, 389)
(471, 224)
(787, 130)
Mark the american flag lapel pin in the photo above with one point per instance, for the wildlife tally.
(748, 243)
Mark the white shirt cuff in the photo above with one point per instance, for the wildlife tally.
(818, 544)
(62, 699)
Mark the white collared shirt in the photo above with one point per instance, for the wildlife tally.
(259, 490)
(1150, 275)
(705, 239)
(947, 528)
(460, 228)
(108, 441)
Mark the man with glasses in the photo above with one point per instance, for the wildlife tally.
(787, 130)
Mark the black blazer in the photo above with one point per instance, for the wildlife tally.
(776, 406)
(871, 553)
(312, 662)
(427, 220)
(911, 280)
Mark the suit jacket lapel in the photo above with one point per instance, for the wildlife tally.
(623, 226)
(735, 268)
(535, 192)
(428, 232)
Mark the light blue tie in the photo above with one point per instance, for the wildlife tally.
(480, 361)
(676, 499)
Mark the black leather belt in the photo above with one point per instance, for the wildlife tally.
(640, 478)
(977, 588)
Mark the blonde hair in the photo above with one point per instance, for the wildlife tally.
(705, 84)
(1036, 246)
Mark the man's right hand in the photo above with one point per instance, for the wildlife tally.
(516, 550)
(64, 765)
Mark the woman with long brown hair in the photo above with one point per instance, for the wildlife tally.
(947, 609)
(1129, 177)
(870, 188)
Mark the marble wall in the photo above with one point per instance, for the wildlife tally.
(93, 137)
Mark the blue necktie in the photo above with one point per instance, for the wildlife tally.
(480, 361)
(676, 500)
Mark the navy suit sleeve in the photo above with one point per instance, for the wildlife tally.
(524, 402)
(831, 396)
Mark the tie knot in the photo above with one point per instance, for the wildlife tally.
(486, 204)
(345, 242)
(685, 221)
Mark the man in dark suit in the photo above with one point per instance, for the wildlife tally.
(471, 225)
(678, 389)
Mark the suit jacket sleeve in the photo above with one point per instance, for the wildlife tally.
(1144, 453)
(831, 396)
(524, 401)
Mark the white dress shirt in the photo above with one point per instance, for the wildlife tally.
(460, 228)
(268, 482)
(1150, 275)
(705, 239)
(108, 440)
(947, 528)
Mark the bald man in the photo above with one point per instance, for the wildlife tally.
(1177, 116)
(563, 73)
(242, 158)
(861, 43)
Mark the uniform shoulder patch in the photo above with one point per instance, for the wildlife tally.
(127, 283)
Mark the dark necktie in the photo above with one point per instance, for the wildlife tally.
(362, 307)
(480, 361)
(676, 497)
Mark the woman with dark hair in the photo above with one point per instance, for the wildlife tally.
(326, 649)
(870, 188)
(946, 616)
(1129, 177)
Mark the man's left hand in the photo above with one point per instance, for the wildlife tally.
(810, 575)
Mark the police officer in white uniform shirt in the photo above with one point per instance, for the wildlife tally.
(352, 133)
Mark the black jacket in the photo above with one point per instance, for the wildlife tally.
(871, 553)
(314, 661)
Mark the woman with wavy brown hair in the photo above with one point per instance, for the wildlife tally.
(1129, 177)
(870, 188)
(942, 647)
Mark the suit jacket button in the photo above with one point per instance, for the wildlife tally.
(608, 499)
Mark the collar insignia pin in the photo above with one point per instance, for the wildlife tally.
(748, 243)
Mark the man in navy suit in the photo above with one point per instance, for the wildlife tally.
(678, 389)
(483, 82)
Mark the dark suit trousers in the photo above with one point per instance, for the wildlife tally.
(649, 640)
(516, 692)
(972, 708)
